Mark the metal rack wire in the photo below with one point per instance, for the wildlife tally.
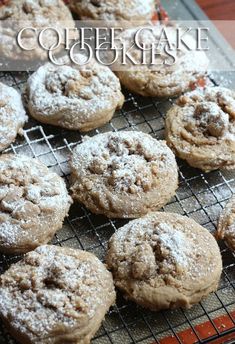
(200, 196)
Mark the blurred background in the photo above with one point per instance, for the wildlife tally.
(218, 9)
(221, 10)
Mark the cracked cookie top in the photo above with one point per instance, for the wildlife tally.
(163, 250)
(39, 14)
(170, 72)
(56, 292)
(113, 10)
(43, 11)
(30, 196)
(130, 164)
(73, 96)
(209, 115)
(202, 126)
(12, 115)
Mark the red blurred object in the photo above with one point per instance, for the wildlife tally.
(3, 2)
(199, 83)
(163, 14)
(160, 13)
(155, 16)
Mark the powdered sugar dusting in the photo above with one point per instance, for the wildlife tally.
(114, 10)
(29, 196)
(160, 75)
(177, 242)
(70, 96)
(54, 288)
(178, 248)
(142, 7)
(127, 161)
(37, 14)
(186, 61)
(12, 115)
(214, 111)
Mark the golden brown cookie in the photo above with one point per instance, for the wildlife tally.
(123, 174)
(115, 10)
(200, 128)
(164, 260)
(160, 76)
(12, 115)
(16, 15)
(33, 203)
(75, 97)
(226, 224)
(55, 295)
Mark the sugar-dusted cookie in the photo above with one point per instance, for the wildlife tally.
(123, 174)
(34, 16)
(160, 76)
(115, 10)
(55, 295)
(200, 128)
(33, 203)
(77, 97)
(226, 224)
(12, 115)
(164, 260)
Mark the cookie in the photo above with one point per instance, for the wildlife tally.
(164, 260)
(12, 115)
(114, 10)
(123, 174)
(226, 224)
(159, 77)
(74, 96)
(200, 128)
(33, 203)
(55, 295)
(16, 15)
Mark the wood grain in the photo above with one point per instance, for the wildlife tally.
(218, 9)
(221, 10)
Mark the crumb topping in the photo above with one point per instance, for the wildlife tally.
(226, 224)
(126, 162)
(29, 196)
(209, 113)
(41, 10)
(54, 289)
(12, 115)
(82, 91)
(158, 251)
(114, 10)
(185, 60)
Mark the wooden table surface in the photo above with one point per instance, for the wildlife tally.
(221, 10)
(218, 9)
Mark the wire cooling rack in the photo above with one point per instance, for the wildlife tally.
(200, 196)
